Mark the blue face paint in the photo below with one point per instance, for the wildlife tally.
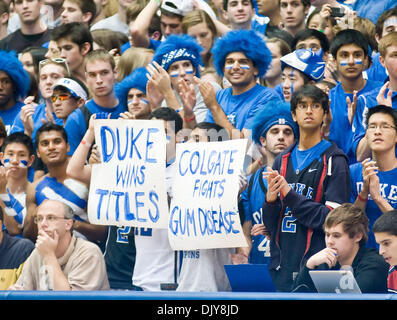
(343, 63)
(176, 73)
(292, 84)
(245, 67)
(22, 163)
(358, 61)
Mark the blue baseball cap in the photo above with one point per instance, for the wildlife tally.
(306, 61)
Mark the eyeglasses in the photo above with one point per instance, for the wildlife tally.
(49, 218)
(304, 106)
(60, 61)
(61, 97)
(382, 126)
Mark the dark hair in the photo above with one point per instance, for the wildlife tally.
(354, 221)
(215, 132)
(4, 7)
(168, 114)
(38, 54)
(382, 18)
(19, 137)
(387, 223)
(226, 3)
(276, 32)
(311, 33)
(382, 109)
(87, 6)
(349, 36)
(306, 3)
(312, 92)
(76, 32)
(49, 126)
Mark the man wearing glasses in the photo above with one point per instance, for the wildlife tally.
(61, 261)
(307, 180)
(373, 181)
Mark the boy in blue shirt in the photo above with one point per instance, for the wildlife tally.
(273, 131)
(373, 182)
(350, 51)
(387, 95)
(101, 75)
(307, 180)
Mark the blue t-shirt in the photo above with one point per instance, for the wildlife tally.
(241, 109)
(8, 116)
(76, 126)
(302, 158)
(341, 131)
(388, 189)
(38, 117)
(376, 72)
(364, 103)
(251, 200)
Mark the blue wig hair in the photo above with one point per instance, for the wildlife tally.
(10, 64)
(272, 113)
(136, 79)
(179, 47)
(247, 41)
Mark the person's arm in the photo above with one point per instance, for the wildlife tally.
(46, 247)
(30, 228)
(219, 116)
(77, 169)
(371, 274)
(374, 190)
(161, 80)
(75, 128)
(312, 214)
(140, 28)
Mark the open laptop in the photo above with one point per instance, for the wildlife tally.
(249, 278)
(334, 281)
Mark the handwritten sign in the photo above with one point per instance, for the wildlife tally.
(204, 210)
(128, 187)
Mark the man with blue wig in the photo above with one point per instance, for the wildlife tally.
(241, 57)
(14, 86)
(131, 91)
(273, 130)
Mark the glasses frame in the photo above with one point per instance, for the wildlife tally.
(60, 61)
(51, 220)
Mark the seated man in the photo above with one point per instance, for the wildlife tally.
(346, 230)
(385, 230)
(61, 261)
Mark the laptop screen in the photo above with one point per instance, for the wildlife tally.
(249, 277)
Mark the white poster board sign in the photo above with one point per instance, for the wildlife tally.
(128, 188)
(204, 208)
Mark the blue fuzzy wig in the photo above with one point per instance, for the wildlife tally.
(136, 79)
(176, 48)
(10, 64)
(247, 41)
(272, 113)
